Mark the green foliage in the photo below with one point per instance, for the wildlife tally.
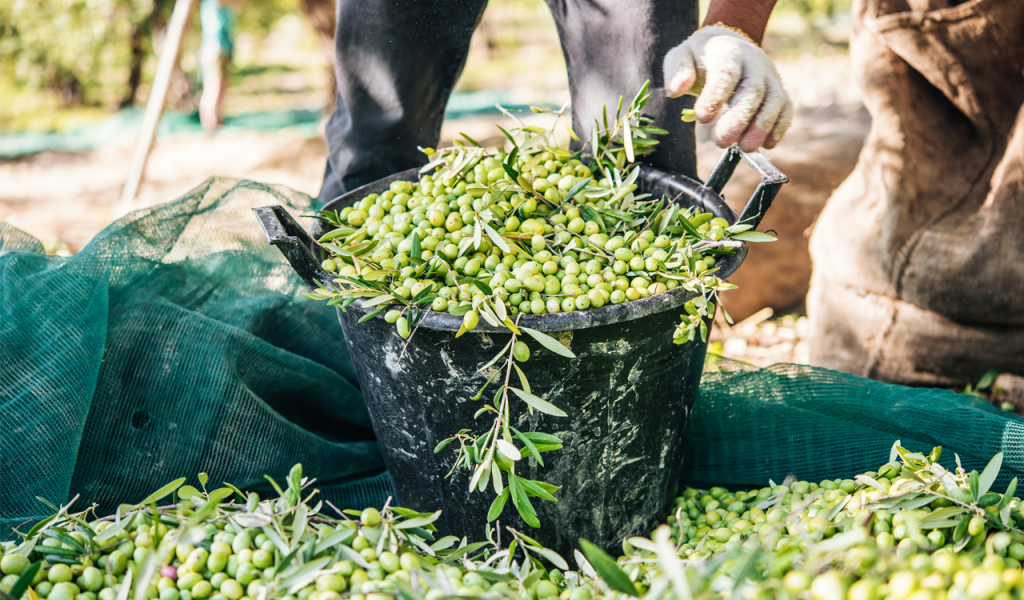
(78, 48)
(812, 10)
(84, 52)
(259, 17)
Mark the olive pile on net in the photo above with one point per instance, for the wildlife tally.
(910, 531)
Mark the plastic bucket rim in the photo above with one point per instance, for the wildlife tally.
(563, 321)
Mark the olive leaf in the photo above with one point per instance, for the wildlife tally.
(522, 378)
(987, 379)
(419, 521)
(522, 501)
(443, 444)
(459, 311)
(499, 309)
(542, 405)
(864, 479)
(444, 543)
(66, 540)
(508, 449)
(753, 236)
(1008, 494)
(543, 441)
(163, 492)
(988, 476)
(484, 287)
(496, 239)
(576, 189)
(488, 315)
(627, 139)
(477, 232)
(56, 551)
(531, 448)
(496, 358)
(416, 251)
(498, 505)
(605, 567)
(572, 133)
(534, 489)
(373, 314)
(549, 342)
(471, 140)
(499, 487)
(386, 298)
(336, 233)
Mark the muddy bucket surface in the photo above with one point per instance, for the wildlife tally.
(628, 394)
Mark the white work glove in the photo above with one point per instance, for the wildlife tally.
(736, 82)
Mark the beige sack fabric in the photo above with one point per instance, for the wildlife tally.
(919, 255)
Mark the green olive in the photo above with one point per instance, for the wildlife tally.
(521, 351)
(59, 573)
(262, 559)
(13, 564)
(546, 589)
(470, 320)
(91, 579)
(202, 590)
(402, 325)
(331, 582)
(389, 561)
(188, 581)
(370, 517)
(231, 589)
(976, 525)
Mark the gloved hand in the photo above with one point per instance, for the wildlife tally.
(736, 82)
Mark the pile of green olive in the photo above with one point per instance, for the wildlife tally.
(841, 539)
(565, 255)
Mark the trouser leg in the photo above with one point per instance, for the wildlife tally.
(396, 62)
(611, 47)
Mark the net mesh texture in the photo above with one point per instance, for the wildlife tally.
(177, 342)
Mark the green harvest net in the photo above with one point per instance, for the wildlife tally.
(177, 342)
(124, 125)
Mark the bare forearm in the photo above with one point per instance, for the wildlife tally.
(751, 16)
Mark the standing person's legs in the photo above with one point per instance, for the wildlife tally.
(396, 62)
(611, 47)
(216, 73)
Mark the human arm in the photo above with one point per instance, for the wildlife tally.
(734, 79)
(749, 16)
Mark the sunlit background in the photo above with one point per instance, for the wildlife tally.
(66, 63)
(75, 76)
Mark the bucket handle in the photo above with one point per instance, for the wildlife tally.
(761, 200)
(292, 240)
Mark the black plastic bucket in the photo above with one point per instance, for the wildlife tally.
(629, 393)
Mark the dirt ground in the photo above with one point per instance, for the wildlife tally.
(64, 199)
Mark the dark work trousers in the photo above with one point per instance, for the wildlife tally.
(397, 61)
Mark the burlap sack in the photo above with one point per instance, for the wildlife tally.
(919, 255)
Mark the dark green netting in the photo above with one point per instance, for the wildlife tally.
(124, 125)
(751, 425)
(177, 343)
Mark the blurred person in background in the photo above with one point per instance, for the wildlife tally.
(396, 62)
(218, 19)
